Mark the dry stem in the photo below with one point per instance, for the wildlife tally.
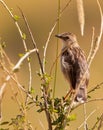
(87, 118)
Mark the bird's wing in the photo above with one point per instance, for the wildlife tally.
(81, 68)
(68, 68)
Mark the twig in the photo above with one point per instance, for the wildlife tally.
(32, 38)
(92, 45)
(87, 118)
(56, 65)
(98, 39)
(51, 31)
(51, 69)
(96, 99)
(41, 124)
(68, 3)
(96, 87)
(46, 45)
(41, 66)
(16, 99)
(3, 53)
(10, 76)
(85, 113)
(99, 119)
(17, 66)
(16, 23)
(101, 122)
(92, 100)
(2, 88)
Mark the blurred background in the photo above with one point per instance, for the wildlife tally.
(41, 16)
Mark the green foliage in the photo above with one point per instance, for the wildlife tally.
(16, 17)
(20, 55)
(54, 107)
(24, 36)
(32, 91)
(71, 117)
(4, 123)
(18, 123)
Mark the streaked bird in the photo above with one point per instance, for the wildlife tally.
(74, 66)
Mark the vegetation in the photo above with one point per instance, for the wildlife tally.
(59, 112)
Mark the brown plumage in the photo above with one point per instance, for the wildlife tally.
(74, 65)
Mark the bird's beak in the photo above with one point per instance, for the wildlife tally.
(58, 36)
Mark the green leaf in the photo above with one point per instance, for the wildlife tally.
(32, 91)
(40, 110)
(4, 123)
(20, 55)
(30, 103)
(89, 96)
(24, 36)
(16, 17)
(45, 62)
(55, 111)
(29, 59)
(72, 117)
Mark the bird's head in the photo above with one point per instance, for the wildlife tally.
(67, 38)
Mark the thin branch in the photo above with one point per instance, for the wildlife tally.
(51, 31)
(96, 87)
(3, 53)
(85, 113)
(16, 23)
(33, 41)
(41, 66)
(56, 65)
(95, 125)
(2, 88)
(101, 122)
(87, 118)
(98, 39)
(41, 124)
(10, 76)
(51, 69)
(46, 45)
(92, 45)
(92, 100)
(17, 66)
(96, 99)
(68, 3)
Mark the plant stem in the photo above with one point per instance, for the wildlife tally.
(56, 66)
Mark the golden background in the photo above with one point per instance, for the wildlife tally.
(41, 16)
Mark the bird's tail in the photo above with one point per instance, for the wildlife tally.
(81, 96)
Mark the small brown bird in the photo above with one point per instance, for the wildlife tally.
(74, 66)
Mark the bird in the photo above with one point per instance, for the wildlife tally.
(74, 66)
